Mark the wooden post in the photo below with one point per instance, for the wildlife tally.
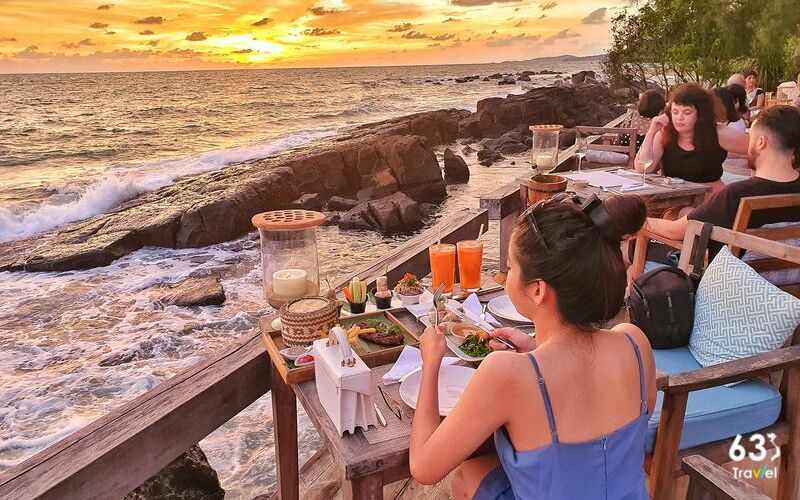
(668, 440)
(284, 421)
(789, 473)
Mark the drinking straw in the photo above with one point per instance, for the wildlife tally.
(480, 231)
(439, 241)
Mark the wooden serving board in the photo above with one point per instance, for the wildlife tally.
(372, 354)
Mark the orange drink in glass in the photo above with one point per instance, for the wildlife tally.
(443, 265)
(470, 258)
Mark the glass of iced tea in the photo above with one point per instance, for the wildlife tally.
(470, 258)
(443, 265)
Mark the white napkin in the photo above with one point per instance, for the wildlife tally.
(410, 360)
(633, 187)
(473, 308)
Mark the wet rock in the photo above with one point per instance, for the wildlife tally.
(190, 476)
(308, 201)
(486, 79)
(580, 76)
(507, 80)
(339, 204)
(467, 150)
(462, 80)
(528, 73)
(488, 156)
(456, 170)
(511, 148)
(524, 78)
(332, 219)
(495, 76)
(205, 291)
(393, 214)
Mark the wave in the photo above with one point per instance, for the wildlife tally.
(129, 181)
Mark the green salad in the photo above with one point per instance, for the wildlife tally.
(475, 347)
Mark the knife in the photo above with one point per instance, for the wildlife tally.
(380, 415)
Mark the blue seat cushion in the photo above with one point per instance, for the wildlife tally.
(718, 412)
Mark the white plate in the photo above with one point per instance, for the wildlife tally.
(501, 306)
(453, 380)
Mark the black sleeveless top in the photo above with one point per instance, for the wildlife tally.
(693, 166)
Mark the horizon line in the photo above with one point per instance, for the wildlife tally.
(298, 67)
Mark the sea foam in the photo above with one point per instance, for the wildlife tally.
(127, 182)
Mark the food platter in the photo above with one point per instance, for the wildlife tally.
(455, 341)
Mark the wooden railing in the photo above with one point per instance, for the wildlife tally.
(115, 454)
(504, 202)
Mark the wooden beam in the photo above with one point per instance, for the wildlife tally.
(412, 256)
(116, 453)
(709, 480)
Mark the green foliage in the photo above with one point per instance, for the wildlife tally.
(702, 41)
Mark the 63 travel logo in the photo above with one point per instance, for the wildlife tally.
(759, 454)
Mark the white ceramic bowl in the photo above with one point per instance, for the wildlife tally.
(292, 353)
(408, 300)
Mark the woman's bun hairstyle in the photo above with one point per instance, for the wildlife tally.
(575, 249)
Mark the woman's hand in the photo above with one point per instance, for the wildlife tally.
(659, 122)
(432, 346)
(523, 341)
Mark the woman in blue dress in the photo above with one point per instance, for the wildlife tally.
(569, 411)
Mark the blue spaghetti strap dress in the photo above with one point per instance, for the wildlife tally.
(610, 467)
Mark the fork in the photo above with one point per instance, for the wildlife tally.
(506, 343)
(436, 296)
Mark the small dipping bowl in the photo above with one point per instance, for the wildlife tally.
(462, 330)
(292, 353)
(580, 183)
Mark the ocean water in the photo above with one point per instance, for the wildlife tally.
(78, 344)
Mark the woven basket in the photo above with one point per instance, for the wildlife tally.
(306, 320)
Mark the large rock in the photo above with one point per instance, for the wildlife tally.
(189, 477)
(308, 201)
(379, 159)
(339, 204)
(581, 105)
(488, 156)
(393, 214)
(205, 291)
(581, 76)
(456, 170)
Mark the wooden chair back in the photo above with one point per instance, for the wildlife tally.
(747, 207)
(664, 464)
(709, 481)
(607, 134)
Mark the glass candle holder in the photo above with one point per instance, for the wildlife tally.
(289, 256)
(545, 147)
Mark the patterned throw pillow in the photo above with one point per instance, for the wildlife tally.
(738, 313)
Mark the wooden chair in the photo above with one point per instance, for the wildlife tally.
(606, 136)
(747, 206)
(709, 481)
(663, 465)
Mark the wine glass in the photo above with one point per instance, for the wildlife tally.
(644, 164)
(580, 149)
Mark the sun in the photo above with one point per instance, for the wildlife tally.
(245, 48)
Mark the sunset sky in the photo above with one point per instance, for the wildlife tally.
(139, 35)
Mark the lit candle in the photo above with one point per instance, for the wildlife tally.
(289, 282)
(545, 161)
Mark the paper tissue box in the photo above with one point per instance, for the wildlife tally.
(344, 383)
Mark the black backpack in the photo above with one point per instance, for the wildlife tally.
(661, 302)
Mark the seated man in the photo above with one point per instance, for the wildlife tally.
(774, 144)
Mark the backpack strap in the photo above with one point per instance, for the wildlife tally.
(701, 245)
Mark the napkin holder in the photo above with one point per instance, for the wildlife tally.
(344, 383)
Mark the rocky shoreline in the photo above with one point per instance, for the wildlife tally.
(383, 176)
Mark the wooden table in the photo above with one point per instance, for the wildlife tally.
(365, 468)
(660, 196)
